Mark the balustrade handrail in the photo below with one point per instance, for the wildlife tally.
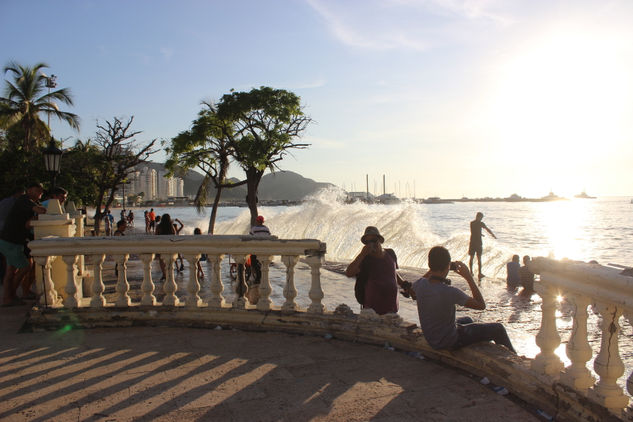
(139, 244)
(593, 280)
(611, 296)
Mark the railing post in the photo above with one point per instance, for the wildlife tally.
(170, 285)
(122, 285)
(316, 292)
(147, 287)
(290, 291)
(547, 339)
(216, 301)
(49, 295)
(240, 286)
(629, 382)
(97, 300)
(264, 302)
(72, 298)
(193, 287)
(608, 364)
(577, 375)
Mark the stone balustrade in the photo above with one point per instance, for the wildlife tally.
(584, 286)
(95, 249)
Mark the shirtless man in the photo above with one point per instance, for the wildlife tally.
(476, 244)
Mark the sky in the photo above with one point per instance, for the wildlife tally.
(445, 98)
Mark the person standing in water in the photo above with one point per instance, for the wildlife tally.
(476, 244)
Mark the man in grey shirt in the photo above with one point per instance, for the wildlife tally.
(436, 306)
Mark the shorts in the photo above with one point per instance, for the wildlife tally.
(475, 247)
(14, 254)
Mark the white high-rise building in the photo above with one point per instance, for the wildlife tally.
(154, 184)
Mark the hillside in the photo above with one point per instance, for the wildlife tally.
(280, 185)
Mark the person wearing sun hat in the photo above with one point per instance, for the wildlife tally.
(375, 270)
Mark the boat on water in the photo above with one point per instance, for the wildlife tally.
(436, 200)
(583, 195)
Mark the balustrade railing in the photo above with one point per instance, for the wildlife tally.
(610, 295)
(95, 250)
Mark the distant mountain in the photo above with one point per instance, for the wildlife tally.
(280, 185)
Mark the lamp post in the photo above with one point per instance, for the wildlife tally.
(51, 82)
(52, 160)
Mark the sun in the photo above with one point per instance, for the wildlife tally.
(564, 99)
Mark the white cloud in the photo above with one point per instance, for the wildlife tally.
(410, 25)
(167, 53)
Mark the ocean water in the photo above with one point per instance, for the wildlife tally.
(580, 229)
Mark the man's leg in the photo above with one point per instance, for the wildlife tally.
(470, 262)
(8, 292)
(475, 333)
(479, 263)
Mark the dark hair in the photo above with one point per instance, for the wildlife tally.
(34, 184)
(480, 215)
(515, 257)
(59, 191)
(165, 226)
(197, 231)
(439, 258)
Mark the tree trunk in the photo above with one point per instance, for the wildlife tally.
(214, 210)
(253, 176)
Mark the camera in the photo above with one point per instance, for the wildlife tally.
(453, 266)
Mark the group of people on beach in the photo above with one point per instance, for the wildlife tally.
(378, 285)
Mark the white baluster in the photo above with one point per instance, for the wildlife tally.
(240, 284)
(577, 375)
(629, 382)
(147, 287)
(264, 302)
(49, 296)
(97, 300)
(547, 339)
(608, 364)
(290, 291)
(316, 292)
(170, 285)
(193, 287)
(72, 298)
(216, 301)
(122, 285)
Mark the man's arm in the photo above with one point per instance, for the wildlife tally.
(181, 225)
(354, 267)
(477, 300)
(489, 231)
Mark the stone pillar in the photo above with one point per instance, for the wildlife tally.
(290, 291)
(547, 339)
(193, 287)
(56, 223)
(148, 284)
(97, 301)
(264, 302)
(316, 292)
(608, 364)
(216, 300)
(578, 349)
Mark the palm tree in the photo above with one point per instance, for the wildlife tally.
(26, 97)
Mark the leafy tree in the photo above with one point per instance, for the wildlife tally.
(264, 124)
(119, 156)
(206, 146)
(25, 98)
(80, 172)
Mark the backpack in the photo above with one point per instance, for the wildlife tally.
(363, 276)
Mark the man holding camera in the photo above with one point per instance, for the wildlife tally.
(436, 300)
(375, 269)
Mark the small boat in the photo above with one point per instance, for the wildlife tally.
(583, 195)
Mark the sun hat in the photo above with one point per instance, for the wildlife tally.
(371, 231)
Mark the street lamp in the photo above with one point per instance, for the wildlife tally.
(52, 160)
(51, 82)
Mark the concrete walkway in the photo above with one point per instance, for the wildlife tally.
(169, 374)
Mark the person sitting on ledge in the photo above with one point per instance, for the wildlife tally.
(436, 300)
(513, 280)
